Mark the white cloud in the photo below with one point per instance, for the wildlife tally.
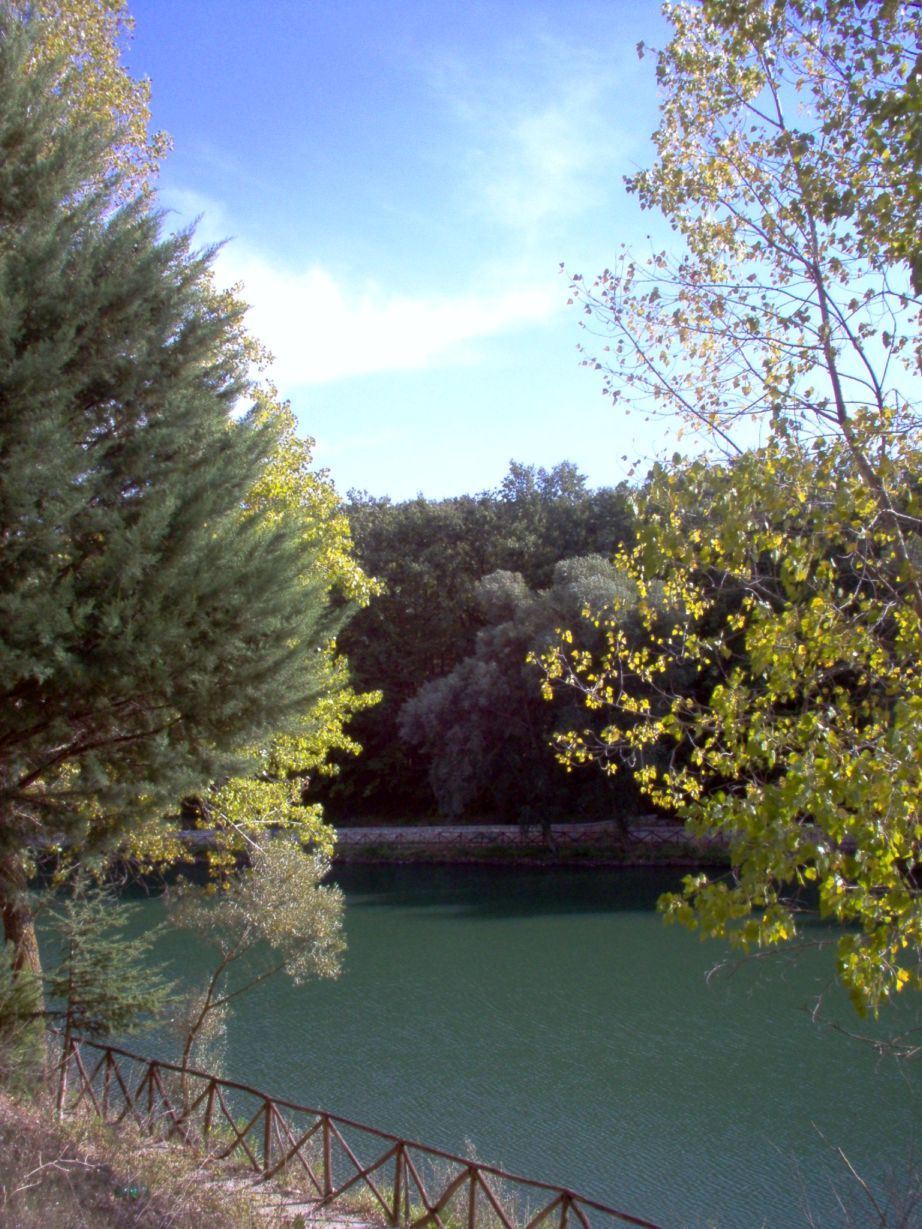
(183, 206)
(542, 138)
(320, 327)
(546, 166)
(536, 146)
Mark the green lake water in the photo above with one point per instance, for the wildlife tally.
(552, 1022)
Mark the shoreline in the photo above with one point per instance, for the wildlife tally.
(601, 844)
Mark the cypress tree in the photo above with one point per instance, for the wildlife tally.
(152, 622)
(104, 982)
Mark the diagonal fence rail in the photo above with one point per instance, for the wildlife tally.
(332, 1159)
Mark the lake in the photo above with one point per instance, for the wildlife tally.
(550, 1021)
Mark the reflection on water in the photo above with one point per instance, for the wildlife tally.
(551, 1020)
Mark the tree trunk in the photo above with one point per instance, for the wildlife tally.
(19, 930)
(18, 920)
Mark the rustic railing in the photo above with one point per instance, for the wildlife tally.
(330, 1158)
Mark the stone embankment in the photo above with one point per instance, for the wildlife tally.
(645, 839)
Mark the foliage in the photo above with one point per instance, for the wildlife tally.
(274, 916)
(781, 307)
(80, 43)
(103, 982)
(21, 1026)
(241, 809)
(795, 734)
(483, 728)
(872, 56)
(430, 558)
(780, 661)
(290, 485)
(158, 622)
(83, 40)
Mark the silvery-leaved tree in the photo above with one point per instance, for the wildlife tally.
(275, 916)
(774, 691)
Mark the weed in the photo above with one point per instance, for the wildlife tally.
(86, 1175)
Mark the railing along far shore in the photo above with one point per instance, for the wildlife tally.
(334, 1161)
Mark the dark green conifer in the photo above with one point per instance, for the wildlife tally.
(22, 1026)
(151, 623)
(103, 983)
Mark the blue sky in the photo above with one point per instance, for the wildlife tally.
(399, 181)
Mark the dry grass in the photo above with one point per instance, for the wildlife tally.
(85, 1175)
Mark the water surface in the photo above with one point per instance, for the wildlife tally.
(552, 1022)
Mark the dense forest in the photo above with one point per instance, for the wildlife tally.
(470, 587)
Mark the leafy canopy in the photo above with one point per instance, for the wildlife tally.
(431, 558)
(173, 575)
(104, 982)
(83, 40)
(772, 693)
(274, 916)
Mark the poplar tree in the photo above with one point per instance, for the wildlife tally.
(86, 38)
(788, 577)
(155, 619)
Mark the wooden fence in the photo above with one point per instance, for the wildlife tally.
(333, 1160)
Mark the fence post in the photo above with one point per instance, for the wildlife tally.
(151, 1068)
(399, 1177)
(107, 1084)
(327, 1159)
(268, 1111)
(472, 1200)
(209, 1106)
(61, 1092)
(565, 1211)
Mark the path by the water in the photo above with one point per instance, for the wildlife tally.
(452, 834)
(463, 842)
(649, 830)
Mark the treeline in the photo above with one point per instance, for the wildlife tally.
(470, 587)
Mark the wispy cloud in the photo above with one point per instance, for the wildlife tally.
(543, 142)
(546, 167)
(182, 207)
(533, 146)
(321, 328)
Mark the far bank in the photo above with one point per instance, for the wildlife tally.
(648, 840)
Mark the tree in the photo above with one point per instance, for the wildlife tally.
(275, 916)
(482, 728)
(83, 40)
(239, 810)
(789, 578)
(103, 982)
(426, 557)
(157, 620)
(430, 557)
(544, 516)
(876, 64)
(22, 1027)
